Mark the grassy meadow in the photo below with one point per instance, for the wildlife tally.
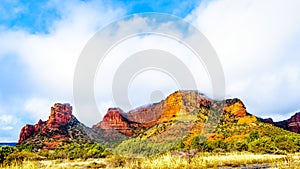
(201, 160)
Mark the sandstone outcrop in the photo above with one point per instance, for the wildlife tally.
(291, 124)
(176, 106)
(189, 109)
(61, 128)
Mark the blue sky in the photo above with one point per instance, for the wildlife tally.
(38, 16)
(40, 42)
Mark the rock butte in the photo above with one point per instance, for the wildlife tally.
(60, 115)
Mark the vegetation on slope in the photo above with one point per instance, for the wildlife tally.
(22, 153)
(256, 137)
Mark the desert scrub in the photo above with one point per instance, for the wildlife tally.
(18, 157)
(210, 160)
(24, 165)
(76, 151)
(169, 161)
(5, 151)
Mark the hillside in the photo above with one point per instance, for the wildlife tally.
(291, 124)
(184, 120)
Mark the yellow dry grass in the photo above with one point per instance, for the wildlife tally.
(168, 161)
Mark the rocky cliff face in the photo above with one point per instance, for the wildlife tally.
(294, 123)
(143, 117)
(182, 114)
(291, 124)
(61, 128)
(115, 119)
(176, 106)
(189, 107)
(140, 118)
(60, 115)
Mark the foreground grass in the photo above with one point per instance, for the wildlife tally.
(202, 160)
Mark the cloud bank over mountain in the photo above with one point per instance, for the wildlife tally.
(257, 43)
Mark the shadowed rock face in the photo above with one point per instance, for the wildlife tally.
(291, 124)
(294, 123)
(27, 131)
(268, 120)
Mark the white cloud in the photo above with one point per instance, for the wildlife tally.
(6, 119)
(38, 108)
(50, 58)
(139, 91)
(256, 43)
(7, 122)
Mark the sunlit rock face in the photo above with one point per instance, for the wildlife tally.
(142, 117)
(114, 119)
(176, 106)
(60, 128)
(60, 115)
(235, 107)
(61, 125)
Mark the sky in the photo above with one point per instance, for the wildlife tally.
(257, 43)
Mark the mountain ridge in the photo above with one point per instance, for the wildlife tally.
(291, 124)
(183, 115)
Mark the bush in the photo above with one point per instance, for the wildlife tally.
(19, 156)
(75, 151)
(25, 147)
(5, 151)
(116, 161)
(263, 145)
(241, 146)
(253, 135)
(287, 146)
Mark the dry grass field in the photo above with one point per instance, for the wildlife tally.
(201, 160)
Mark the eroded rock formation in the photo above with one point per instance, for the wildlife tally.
(61, 127)
(291, 124)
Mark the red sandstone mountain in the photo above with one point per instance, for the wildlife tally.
(181, 113)
(61, 114)
(175, 107)
(291, 124)
(61, 128)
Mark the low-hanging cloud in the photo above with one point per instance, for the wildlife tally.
(256, 41)
(258, 45)
(49, 59)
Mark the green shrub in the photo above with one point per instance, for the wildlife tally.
(263, 145)
(75, 151)
(116, 161)
(20, 156)
(25, 147)
(5, 151)
(253, 135)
